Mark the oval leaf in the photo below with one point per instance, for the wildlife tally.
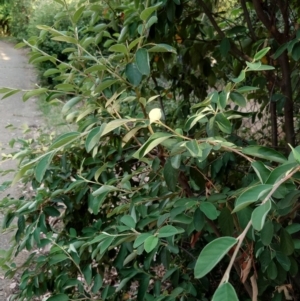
(225, 292)
(150, 243)
(211, 254)
(142, 61)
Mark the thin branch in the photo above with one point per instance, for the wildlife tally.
(248, 20)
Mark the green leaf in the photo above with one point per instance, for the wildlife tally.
(105, 84)
(225, 292)
(167, 231)
(77, 15)
(264, 153)
(32, 93)
(87, 272)
(209, 210)
(142, 61)
(267, 232)
(272, 270)
(261, 171)
(162, 48)
(143, 287)
(133, 74)
(199, 219)
(238, 98)
(211, 254)
(147, 12)
(280, 50)
(296, 52)
(118, 48)
(104, 189)
(225, 47)
(93, 137)
(42, 166)
(154, 140)
(280, 172)
(150, 243)
(176, 161)
(193, 148)
(140, 239)
(259, 215)
(260, 54)
(296, 154)
(171, 176)
(293, 228)
(59, 297)
(286, 243)
(245, 89)
(223, 123)
(56, 258)
(98, 281)
(95, 68)
(65, 39)
(71, 103)
(64, 139)
(251, 195)
(65, 87)
(225, 220)
(283, 260)
(112, 125)
(128, 221)
(240, 78)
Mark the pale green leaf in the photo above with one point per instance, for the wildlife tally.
(65, 39)
(64, 139)
(147, 12)
(162, 48)
(154, 140)
(118, 48)
(259, 215)
(150, 243)
(112, 125)
(251, 195)
(93, 137)
(32, 93)
(167, 231)
(264, 153)
(260, 54)
(128, 221)
(261, 171)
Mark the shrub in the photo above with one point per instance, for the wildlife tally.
(135, 204)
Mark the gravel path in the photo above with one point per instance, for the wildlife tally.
(15, 72)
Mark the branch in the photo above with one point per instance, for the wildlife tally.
(267, 21)
(248, 20)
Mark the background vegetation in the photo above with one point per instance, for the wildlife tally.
(159, 191)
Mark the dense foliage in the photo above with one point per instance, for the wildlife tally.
(153, 195)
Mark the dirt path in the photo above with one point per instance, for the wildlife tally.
(15, 73)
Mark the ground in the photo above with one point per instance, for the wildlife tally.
(15, 72)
